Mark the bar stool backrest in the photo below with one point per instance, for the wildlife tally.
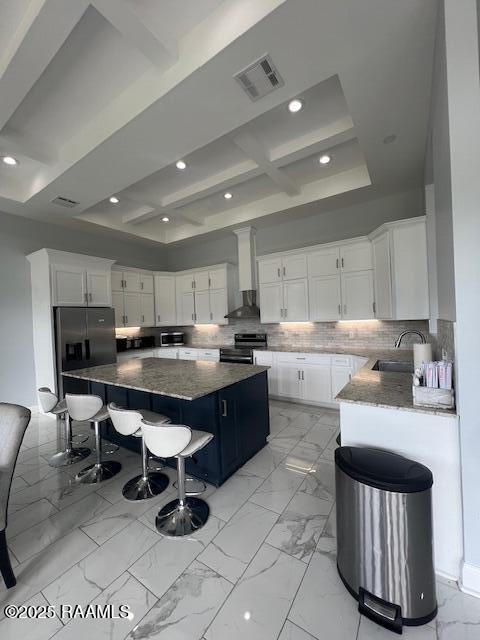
(47, 399)
(83, 407)
(126, 421)
(166, 441)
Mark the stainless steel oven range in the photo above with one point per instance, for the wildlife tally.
(242, 351)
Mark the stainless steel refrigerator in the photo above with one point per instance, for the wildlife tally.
(84, 337)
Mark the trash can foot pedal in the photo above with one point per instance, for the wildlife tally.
(384, 613)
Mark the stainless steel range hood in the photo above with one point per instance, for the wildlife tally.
(249, 307)
(246, 274)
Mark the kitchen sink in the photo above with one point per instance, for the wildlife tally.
(394, 367)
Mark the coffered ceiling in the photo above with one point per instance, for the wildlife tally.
(101, 98)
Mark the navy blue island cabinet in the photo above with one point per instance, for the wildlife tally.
(237, 415)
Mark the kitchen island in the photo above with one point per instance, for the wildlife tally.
(228, 400)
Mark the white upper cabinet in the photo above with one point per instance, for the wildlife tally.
(78, 280)
(400, 270)
(295, 300)
(357, 295)
(325, 298)
(69, 285)
(165, 302)
(271, 302)
(201, 281)
(288, 267)
(131, 281)
(99, 288)
(117, 280)
(324, 262)
(202, 307)
(410, 271)
(382, 276)
(217, 278)
(294, 266)
(119, 308)
(356, 256)
(147, 310)
(213, 290)
(132, 309)
(269, 270)
(146, 283)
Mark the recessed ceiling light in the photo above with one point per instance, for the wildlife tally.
(10, 160)
(228, 195)
(181, 164)
(325, 159)
(295, 105)
(114, 200)
(389, 139)
(165, 219)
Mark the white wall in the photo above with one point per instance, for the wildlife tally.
(456, 171)
(19, 237)
(291, 232)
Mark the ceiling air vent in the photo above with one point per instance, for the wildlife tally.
(259, 78)
(65, 202)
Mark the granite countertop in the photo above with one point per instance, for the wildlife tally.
(184, 379)
(383, 388)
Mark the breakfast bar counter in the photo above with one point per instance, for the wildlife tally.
(228, 400)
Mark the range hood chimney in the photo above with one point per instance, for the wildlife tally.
(246, 274)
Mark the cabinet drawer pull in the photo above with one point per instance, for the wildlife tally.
(126, 319)
(337, 263)
(303, 375)
(345, 309)
(211, 315)
(300, 358)
(284, 272)
(339, 309)
(143, 318)
(278, 271)
(224, 408)
(343, 264)
(158, 317)
(285, 313)
(298, 373)
(141, 286)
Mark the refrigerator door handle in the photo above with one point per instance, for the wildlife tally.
(87, 349)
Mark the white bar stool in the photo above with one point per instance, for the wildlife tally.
(185, 515)
(50, 404)
(91, 408)
(128, 422)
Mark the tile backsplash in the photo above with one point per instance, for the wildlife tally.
(366, 333)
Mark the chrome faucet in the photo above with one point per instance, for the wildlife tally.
(398, 341)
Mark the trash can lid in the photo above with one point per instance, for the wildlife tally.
(383, 469)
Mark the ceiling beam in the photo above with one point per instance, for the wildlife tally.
(254, 150)
(155, 210)
(20, 144)
(44, 28)
(162, 53)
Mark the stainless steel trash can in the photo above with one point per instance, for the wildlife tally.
(384, 535)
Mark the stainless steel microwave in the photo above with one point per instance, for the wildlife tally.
(171, 339)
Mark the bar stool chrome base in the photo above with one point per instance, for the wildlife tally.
(176, 520)
(141, 488)
(193, 486)
(70, 456)
(98, 472)
(79, 438)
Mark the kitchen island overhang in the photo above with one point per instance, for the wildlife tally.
(228, 400)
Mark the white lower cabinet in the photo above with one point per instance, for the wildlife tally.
(187, 354)
(308, 377)
(340, 377)
(211, 355)
(316, 382)
(166, 352)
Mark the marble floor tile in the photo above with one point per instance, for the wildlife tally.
(303, 457)
(331, 418)
(30, 629)
(37, 572)
(126, 590)
(47, 531)
(164, 562)
(283, 418)
(188, 607)
(17, 483)
(34, 470)
(104, 524)
(233, 548)
(89, 577)
(368, 630)
(458, 615)
(278, 489)
(155, 504)
(258, 605)
(300, 526)
(228, 498)
(290, 631)
(306, 420)
(265, 461)
(320, 434)
(320, 480)
(322, 602)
